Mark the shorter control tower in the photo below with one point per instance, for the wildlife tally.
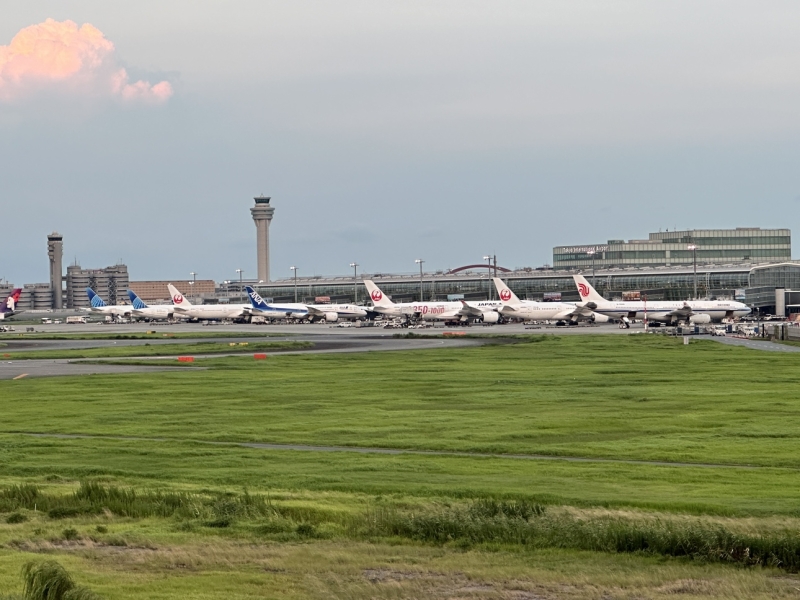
(55, 251)
(262, 216)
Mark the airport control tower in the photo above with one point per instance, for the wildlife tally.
(55, 250)
(262, 215)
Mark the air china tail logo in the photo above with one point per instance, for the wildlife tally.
(583, 289)
(505, 295)
(376, 295)
(177, 299)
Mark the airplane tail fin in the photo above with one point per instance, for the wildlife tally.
(10, 303)
(95, 300)
(255, 299)
(177, 297)
(507, 297)
(376, 295)
(136, 302)
(587, 292)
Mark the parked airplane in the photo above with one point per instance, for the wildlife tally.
(98, 306)
(313, 312)
(484, 311)
(335, 312)
(211, 312)
(692, 311)
(9, 306)
(530, 310)
(143, 311)
(275, 311)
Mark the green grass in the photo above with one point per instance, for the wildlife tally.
(158, 349)
(354, 525)
(625, 397)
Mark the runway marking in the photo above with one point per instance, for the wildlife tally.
(20, 376)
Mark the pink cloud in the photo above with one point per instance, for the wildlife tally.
(71, 59)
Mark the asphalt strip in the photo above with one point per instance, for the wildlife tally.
(392, 451)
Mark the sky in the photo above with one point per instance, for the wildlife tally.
(386, 132)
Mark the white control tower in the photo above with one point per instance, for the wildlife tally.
(262, 216)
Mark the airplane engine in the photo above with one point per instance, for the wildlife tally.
(331, 317)
(491, 317)
(699, 319)
(598, 318)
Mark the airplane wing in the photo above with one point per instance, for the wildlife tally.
(582, 311)
(469, 311)
(682, 313)
(315, 312)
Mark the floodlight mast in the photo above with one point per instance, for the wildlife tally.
(693, 248)
(241, 289)
(419, 261)
(355, 266)
(591, 253)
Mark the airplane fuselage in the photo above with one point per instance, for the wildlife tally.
(159, 312)
(213, 312)
(540, 311)
(436, 311)
(662, 311)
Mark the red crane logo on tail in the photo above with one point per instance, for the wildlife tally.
(177, 299)
(376, 295)
(505, 295)
(583, 289)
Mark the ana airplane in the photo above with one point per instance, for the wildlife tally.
(529, 310)
(463, 312)
(141, 310)
(100, 307)
(275, 311)
(692, 311)
(9, 306)
(210, 312)
(313, 312)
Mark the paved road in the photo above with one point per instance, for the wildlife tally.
(21, 369)
(326, 339)
(51, 368)
(754, 344)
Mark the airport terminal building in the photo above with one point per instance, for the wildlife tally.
(677, 248)
(755, 284)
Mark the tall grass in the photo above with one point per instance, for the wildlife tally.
(480, 521)
(50, 581)
(508, 525)
(95, 498)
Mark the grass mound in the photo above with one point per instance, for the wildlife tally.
(50, 581)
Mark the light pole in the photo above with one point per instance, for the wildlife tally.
(419, 261)
(295, 282)
(489, 258)
(355, 281)
(191, 283)
(592, 253)
(693, 248)
(239, 271)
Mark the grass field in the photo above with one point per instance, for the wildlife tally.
(157, 349)
(354, 525)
